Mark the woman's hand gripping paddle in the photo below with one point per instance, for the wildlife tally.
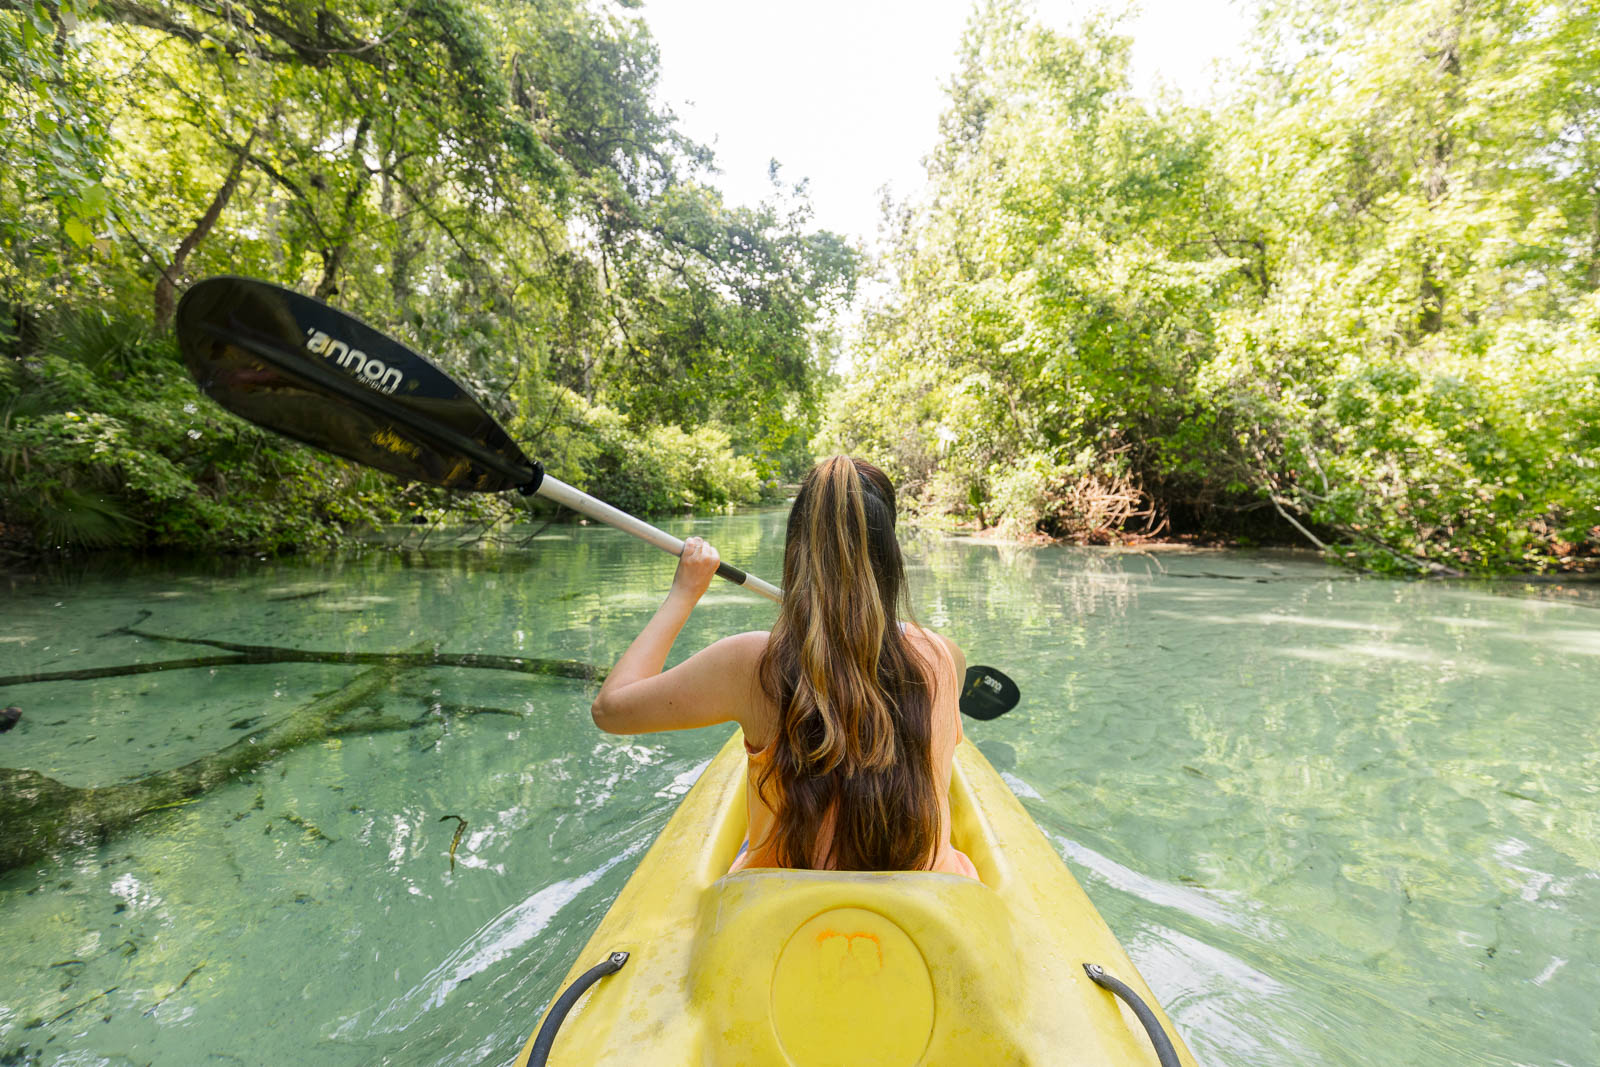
(318, 375)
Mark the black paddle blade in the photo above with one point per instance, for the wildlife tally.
(988, 694)
(297, 366)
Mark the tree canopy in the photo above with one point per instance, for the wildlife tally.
(495, 182)
(1354, 298)
(1358, 293)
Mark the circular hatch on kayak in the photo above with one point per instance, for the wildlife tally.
(852, 987)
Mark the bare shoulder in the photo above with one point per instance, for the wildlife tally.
(936, 642)
(737, 655)
(939, 651)
(744, 652)
(745, 647)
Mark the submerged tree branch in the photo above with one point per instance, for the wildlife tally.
(39, 815)
(246, 654)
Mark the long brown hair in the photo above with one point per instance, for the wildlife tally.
(854, 699)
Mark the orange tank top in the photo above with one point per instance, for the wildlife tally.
(761, 850)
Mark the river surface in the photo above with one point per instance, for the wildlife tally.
(1334, 820)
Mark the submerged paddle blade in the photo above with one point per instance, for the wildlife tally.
(295, 365)
(988, 694)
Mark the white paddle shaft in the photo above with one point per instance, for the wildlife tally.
(584, 504)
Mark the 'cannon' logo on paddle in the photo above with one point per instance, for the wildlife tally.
(374, 372)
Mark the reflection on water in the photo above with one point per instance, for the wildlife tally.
(1335, 820)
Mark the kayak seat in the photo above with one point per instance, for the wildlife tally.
(816, 968)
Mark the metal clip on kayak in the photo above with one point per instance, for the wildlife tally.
(547, 1033)
(1152, 1026)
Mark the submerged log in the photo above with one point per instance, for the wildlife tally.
(242, 654)
(39, 815)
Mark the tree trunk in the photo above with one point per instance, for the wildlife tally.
(1593, 275)
(1436, 182)
(399, 253)
(333, 258)
(167, 284)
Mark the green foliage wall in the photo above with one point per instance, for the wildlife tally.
(1359, 293)
(107, 442)
(492, 182)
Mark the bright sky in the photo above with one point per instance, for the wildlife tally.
(847, 93)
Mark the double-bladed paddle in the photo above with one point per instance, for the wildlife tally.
(306, 370)
(311, 372)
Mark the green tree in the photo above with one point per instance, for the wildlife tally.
(1356, 295)
(494, 182)
(1415, 381)
(1056, 291)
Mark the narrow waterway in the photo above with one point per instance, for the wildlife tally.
(1335, 820)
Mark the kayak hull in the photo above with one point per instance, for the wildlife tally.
(816, 968)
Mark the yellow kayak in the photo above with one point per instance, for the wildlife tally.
(822, 968)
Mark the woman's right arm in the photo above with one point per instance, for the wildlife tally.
(716, 684)
(713, 685)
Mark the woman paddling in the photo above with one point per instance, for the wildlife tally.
(850, 716)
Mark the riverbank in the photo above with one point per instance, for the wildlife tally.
(1584, 567)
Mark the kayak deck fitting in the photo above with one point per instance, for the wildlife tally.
(823, 968)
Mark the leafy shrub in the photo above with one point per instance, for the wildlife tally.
(1289, 312)
(1091, 499)
(106, 441)
(1483, 463)
(645, 471)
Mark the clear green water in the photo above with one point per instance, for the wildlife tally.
(1335, 821)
